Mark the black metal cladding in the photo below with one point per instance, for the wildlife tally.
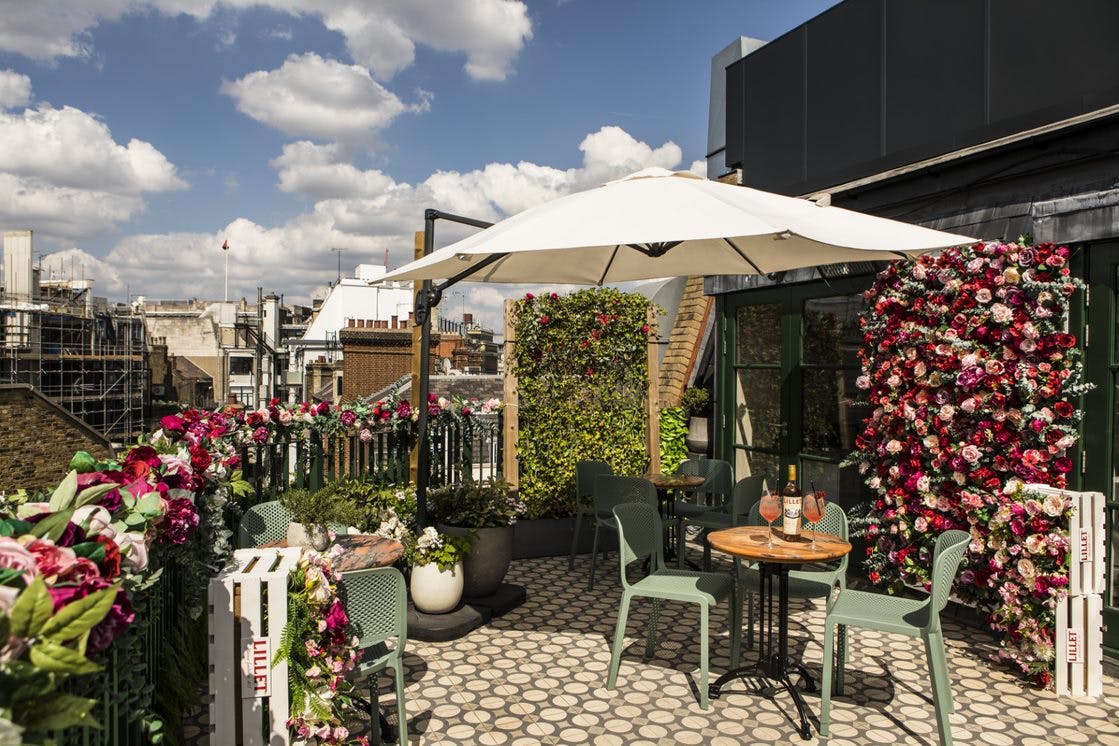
(871, 85)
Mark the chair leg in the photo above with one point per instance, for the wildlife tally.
(374, 712)
(749, 617)
(594, 557)
(703, 696)
(825, 685)
(619, 641)
(942, 689)
(680, 532)
(735, 627)
(651, 641)
(706, 550)
(575, 540)
(401, 717)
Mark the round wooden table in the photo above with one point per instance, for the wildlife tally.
(751, 543)
(359, 551)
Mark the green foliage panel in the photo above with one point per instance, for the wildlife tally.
(583, 377)
(674, 436)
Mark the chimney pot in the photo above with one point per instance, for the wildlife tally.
(393, 325)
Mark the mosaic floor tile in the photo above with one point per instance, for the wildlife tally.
(537, 676)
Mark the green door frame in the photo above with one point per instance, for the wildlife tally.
(1101, 269)
(791, 299)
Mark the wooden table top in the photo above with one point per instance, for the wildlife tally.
(675, 481)
(360, 551)
(749, 542)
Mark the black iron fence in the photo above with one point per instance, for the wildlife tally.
(458, 451)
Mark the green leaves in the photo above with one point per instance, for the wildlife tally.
(83, 462)
(31, 609)
(62, 711)
(64, 493)
(53, 525)
(57, 658)
(80, 616)
(583, 383)
(94, 493)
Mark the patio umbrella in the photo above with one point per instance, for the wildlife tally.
(656, 223)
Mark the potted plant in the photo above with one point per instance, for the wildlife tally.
(485, 512)
(697, 403)
(315, 513)
(436, 581)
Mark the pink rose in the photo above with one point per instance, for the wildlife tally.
(970, 453)
(15, 556)
(53, 561)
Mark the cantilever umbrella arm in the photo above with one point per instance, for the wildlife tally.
(428, 298)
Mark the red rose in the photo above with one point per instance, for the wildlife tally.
(110, 566)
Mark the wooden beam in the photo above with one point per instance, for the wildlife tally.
(511, 429)
(652, 396)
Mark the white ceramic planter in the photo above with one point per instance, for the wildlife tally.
(436, 591)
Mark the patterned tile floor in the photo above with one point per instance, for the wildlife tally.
(537, 675)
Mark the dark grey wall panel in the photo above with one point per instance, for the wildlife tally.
(931, 92)
(844, 92)
(870, 85)
(773, 133)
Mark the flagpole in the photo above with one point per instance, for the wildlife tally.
(226, 276)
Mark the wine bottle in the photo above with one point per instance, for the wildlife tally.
(792, 502)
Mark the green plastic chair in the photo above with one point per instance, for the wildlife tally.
(745, 494)
(610, 491)
(640, 536)
(377, 604)
(802, 583)
(263, 523)
(904, 616)
(713, 493)
(585, 474)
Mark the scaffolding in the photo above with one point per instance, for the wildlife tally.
(89, 357)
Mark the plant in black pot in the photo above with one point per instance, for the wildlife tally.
(697, 403)
(485, 512)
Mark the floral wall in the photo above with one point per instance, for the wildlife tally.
(973, 382)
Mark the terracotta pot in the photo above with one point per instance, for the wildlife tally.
(485, 565)
(436, 591)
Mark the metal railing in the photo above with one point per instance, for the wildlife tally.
(458, 451)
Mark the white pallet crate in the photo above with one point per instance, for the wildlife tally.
(1080, 646)
(247, 612)
(1087, 553)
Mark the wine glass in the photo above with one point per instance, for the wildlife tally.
(815, 504)
(770, 509)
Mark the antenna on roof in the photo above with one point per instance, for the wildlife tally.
(386, 259)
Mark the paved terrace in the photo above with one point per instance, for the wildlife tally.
(537, 676)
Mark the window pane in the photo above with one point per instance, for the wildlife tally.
(831, 330)
(757, 411)
(759, 334)
(831, 417)
(747, 463)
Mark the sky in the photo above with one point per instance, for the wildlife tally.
(136, 136)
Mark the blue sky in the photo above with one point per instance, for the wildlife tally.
(136, 136)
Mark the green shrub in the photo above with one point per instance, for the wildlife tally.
(696, 401)
(488, 504)
(583, 378)
(674, 436)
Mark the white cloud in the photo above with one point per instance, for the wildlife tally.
(379, 34)
(63, 174)
(364, 212)
(73, 263)
(699, 168)
(316, 97)
(15, 89)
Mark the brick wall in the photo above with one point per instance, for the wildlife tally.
(374, 357)
(38, 438)
(692, 318)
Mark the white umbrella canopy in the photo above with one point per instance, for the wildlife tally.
(656, 223)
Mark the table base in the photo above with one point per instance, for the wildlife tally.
(773, 663)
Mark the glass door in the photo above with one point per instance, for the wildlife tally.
(1100, 429)
(787, 372)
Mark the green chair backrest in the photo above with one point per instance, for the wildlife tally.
(834, 522)
(640, 535)
(719, 475)
(377, 604)
(263, 523)
(610, 490)
(947, 556)
(585, 474)
(746, 494)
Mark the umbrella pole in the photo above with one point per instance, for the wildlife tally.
(427, 299)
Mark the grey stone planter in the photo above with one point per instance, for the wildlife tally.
(485, 566)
